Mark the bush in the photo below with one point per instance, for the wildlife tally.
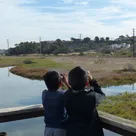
(129, 67)
(27, 62)
(99, 61)
(81, 54)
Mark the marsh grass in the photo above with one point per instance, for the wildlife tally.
(122, 105)
(118, 79)
(12, 61)
(37, 68)
(35, 73)
(36, 62)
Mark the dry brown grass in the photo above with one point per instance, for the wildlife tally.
(107, 70)
(32, 73)
(96, 64)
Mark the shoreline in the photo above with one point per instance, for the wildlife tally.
(104, 78)
(115, 105)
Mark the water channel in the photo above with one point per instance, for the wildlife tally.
(17, 91)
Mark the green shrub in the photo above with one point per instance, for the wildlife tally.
(122, 105)
(27, 62)
(81, 54)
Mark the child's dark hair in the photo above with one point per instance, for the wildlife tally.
(52, 80)
(77, 78)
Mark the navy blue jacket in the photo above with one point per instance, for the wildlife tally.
(55, 113)
(81, 108)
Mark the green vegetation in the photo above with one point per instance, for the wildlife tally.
(44, 63)
(123, 52)
(25, 62)
(123, 105)
(118, 79)
(28, 61)
(98, 44)
(34, 68)
(10, 61)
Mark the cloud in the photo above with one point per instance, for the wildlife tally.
(68, 1)
(84, 3)
(21, 21)
(125, 2)
(76, 2)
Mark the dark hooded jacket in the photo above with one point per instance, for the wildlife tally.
(81, 108)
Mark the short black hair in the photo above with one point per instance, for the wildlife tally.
(52, 80)
(77, 78)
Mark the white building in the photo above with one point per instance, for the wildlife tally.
(2, 52)
(122, 45)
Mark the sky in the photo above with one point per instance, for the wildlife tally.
(26, 20)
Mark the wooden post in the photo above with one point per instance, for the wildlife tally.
(110, 122)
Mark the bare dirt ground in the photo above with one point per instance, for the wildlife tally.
(100, 67)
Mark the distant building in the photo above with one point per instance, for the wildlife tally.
(122, 45)
(2, 52)
(122, 38)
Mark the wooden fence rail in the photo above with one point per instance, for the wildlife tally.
(109, 122)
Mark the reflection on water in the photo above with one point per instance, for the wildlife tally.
(113, 90)
(28, 127)
(8, 71)
(18, 91)
(133, 87)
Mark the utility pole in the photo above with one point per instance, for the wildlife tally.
(8, 43)
(40, 47)
(80, 36)
(133, 43)
(8, 46)
(8, 54)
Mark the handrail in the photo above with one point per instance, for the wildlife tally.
(113, 123)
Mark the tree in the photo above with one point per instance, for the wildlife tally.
(60, 43)
(122, 36)
(58, 40)
(102, 39)
(96, 39)
(107, 39)
(86, 40)
(75, 40)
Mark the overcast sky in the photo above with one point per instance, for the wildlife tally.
(26, 20)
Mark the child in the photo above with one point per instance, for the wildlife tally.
(81, 104)
(53, 104)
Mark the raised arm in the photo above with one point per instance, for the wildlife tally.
(99, 95)
(64, 79)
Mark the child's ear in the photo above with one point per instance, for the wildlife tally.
(60, 84)
(87, 83)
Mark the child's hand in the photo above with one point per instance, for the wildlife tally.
(64, 78)
(89, 75)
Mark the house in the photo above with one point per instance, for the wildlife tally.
(2, 51)
(122, 45)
